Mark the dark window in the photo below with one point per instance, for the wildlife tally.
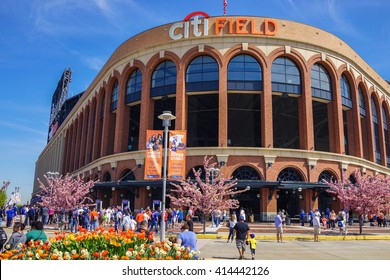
(202, 75)
(114, 97)
(363, 122)
(286, 77)
(244, 115)
(320, 82)
(285, 122)
(202, 120)
(164, 79)
(362, 104)
(327, 176)
(321, 126)
(246, 173)
(244, 73)
(289, 175)
(345, 126)
(127, 175)
(346, 97)
(161, 105)
(386, 134)
(197, 168)
(134, 125)
(375, 131)
(107, 177)
(134, 87)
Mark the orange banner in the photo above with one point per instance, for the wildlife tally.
(177, 155)
(154, 153)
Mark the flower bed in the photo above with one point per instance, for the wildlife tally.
(101, 245)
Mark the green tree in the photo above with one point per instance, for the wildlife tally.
(3, 198)
(3, 194)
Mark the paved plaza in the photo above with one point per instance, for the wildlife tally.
(215, 249)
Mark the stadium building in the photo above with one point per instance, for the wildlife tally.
(279, 105)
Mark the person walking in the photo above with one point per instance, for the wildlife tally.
(232, 223)
(279, 227)
(242, 234)
(252, 245)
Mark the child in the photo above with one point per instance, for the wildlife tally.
(252, 245)
(324, 221)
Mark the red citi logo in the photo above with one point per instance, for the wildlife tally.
(182, 29)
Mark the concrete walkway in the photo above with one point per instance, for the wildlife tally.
(298, 250)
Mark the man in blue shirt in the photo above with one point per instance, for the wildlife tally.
(278, 227)
(10, 216)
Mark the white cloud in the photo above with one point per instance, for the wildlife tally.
(21, 127)
(95, 63)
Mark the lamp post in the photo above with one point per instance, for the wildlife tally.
(166, 118)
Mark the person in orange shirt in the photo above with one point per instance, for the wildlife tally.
(140, 217)
(94, 216)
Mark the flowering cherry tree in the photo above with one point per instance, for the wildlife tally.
(206, 195)
(368, 195)
(65, 192)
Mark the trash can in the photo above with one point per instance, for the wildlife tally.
(288, 221)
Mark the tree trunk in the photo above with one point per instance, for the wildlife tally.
(360, 224)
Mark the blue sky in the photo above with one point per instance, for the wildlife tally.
(40, 38)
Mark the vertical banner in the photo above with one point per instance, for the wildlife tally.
(177, 154)
(154, 153)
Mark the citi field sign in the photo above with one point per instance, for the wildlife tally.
(197, 24)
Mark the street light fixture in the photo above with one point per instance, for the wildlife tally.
(166, 118)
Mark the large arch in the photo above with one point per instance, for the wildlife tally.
(286, 78)
(202, 85)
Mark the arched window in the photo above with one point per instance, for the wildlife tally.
(202, 74)
(321, 90)
(164, 79)
(362, 104)
(289, 175)
(346, 97)
(246, 173)
(244, 73)
(114, 97)
(375, 131)
(127, 175)
(320, 82)
(286, 77)
(386, 134)
(363, 122)
(107, 177)
(134, 87)
(191, 174)
(327, 176)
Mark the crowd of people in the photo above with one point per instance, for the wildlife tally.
(146, 219)
(149, 220)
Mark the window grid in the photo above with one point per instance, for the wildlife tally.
(346, 97)
(244, 73)
(134, 87)
(286, 77)
(114, 97)
(320, 82)
(164, 79)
